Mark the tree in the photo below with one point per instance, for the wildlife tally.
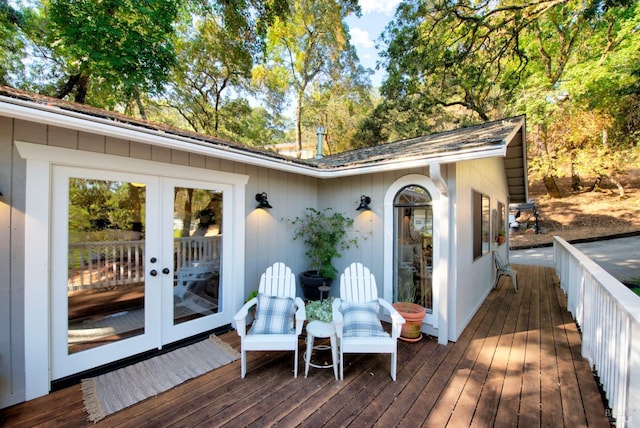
(210, 62)
(11, 45)
(123, 45)
(443, 54)
(306, 46)
(338, 104)
(488, 58)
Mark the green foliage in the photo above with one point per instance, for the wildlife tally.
(210, 62)
(310, 45)
(325, 233)
(320, 310)
(124, 45)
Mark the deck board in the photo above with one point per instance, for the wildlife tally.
(517, 363)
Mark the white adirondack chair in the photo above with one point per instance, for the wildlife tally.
(358, 285)
(191, 278)
(276, 281)
(503, 268)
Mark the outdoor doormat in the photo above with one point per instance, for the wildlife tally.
(116, 390)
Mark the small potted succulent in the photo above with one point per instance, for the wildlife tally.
(320, 310)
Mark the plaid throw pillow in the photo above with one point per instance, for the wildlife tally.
(361, 320)
(274, 315)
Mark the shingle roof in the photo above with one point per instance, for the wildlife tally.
(473, 138)
(443, 147)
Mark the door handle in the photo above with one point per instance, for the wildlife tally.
(153, 272)
(166, 271)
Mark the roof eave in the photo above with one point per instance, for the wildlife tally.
(40, 113)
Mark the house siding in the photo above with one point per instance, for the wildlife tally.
(287, 191)
(268, 234)
(12, 253)
(474, 278)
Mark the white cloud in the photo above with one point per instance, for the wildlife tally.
(360, 38)
(386, 7)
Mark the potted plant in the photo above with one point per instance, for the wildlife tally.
(320, 310)
(410, 311)
(502, 236)
(325, 234)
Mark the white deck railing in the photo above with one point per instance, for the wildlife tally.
(608, 314)
(105, 264)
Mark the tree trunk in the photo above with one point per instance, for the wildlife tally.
(81, 89)
(299, 127)
(68, 87)
(552, 187)
(615, 181)
(141, 109)
(596, 184)
(576, 184)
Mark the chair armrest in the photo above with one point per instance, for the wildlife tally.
(396, 318)
(300, 316)
(241, 317)
(338, 321)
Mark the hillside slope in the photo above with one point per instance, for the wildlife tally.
(580, 215)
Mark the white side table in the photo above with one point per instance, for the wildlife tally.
(321, 330)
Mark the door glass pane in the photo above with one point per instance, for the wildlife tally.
(413, 247)
(105, 286)
(197, 226)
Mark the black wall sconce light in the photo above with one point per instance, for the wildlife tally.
(262, 200)
(364, 203)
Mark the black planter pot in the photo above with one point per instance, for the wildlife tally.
(311, 282)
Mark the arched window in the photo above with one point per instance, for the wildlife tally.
(413, 246)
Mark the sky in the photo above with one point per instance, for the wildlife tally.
(367, 29)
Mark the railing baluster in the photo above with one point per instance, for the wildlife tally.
(609, 317)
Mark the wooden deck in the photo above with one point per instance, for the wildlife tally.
(518, 363)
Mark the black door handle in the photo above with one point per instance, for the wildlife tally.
(153, 272)
(166, 271)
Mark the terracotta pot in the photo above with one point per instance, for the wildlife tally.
(413, 315)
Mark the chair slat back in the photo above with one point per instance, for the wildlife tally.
(358, 285)
(278, 280)
(500, 265)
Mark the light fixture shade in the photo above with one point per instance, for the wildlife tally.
(261, 198)
(364, 203)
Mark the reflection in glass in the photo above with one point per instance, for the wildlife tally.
(197, 225)
(105, 262)
(413, 247)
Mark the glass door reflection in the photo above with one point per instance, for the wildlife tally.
(197, 243)
(105, 283)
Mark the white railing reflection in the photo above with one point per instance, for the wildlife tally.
(108, 264)
(608, 314)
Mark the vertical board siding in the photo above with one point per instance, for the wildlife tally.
(474, 278)
(12, 179)
(12, 208)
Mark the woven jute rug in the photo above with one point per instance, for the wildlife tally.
(116, 390)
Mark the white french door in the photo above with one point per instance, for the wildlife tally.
(136, 263)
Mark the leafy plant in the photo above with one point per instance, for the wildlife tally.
(406, 288)
(325, 233)
(320, 310)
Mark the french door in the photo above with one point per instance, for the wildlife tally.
(137, 263)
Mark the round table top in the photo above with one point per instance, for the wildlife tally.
(321, 329)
